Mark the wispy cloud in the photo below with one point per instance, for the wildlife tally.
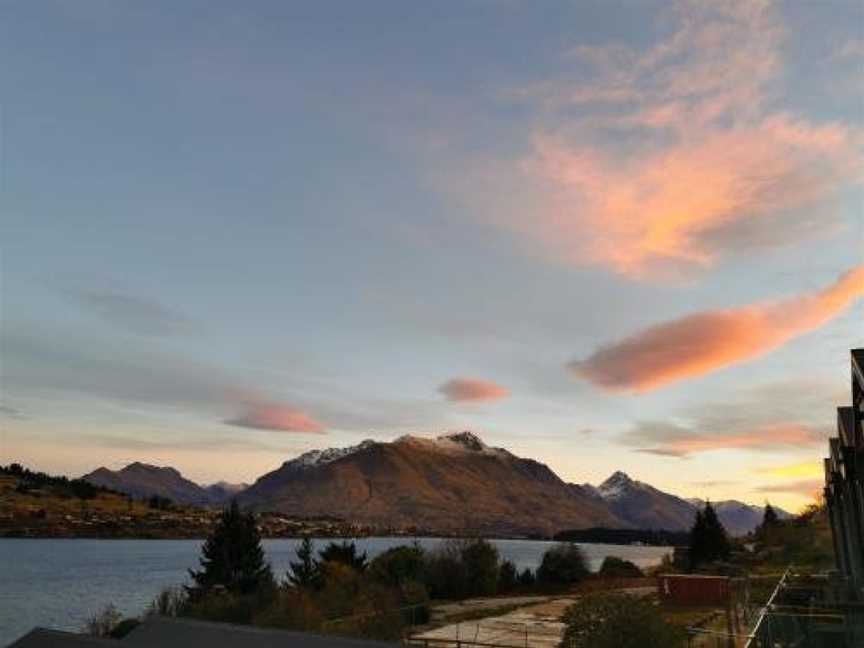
(472, 390)
(775, 418)
(711, 340)
(12, 412)
(806, 487)
(668, 159)
(136, 314)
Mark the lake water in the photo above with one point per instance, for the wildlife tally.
(60, 583)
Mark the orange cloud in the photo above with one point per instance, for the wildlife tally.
(705, 342)
(472, 389)
(673, 159)
(276, 417)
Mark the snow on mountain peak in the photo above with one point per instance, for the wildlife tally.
(467, 439)
(328, 455)
(616, 485)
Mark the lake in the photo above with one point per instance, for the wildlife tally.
(59, 583)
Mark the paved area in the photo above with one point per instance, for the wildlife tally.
(536, 623)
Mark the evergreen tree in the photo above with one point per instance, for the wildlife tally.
(232, 556)
(305, 573)
(708, 538)
(769, 518)
(719, 547)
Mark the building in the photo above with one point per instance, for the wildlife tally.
(844, 484)
(164, 632)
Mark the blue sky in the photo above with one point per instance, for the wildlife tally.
(233, 233)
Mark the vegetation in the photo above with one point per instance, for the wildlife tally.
(614, 567)
(29, 481)
(563, 564)
(618, 621)
(708, 539)
(804, 540)
(461, 569)
(232, 557)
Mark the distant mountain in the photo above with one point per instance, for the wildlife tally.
(142, 480)
(641, 505)
(453, 483)
(223, 491)
(740, 518)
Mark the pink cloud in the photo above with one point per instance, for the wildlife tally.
(472, 389)
(683, 442)
(711, 340)
(674, 160)
(277, 417)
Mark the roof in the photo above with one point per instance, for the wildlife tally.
(700, 577)
(166, 632)
(44, 638)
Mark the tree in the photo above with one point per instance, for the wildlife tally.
(399, 565)
(344, 553)
(563, 564)
(305, 573)
(232, 557)
(769, 517)
(527, 578)
(508, 577)
(618, 621)
(708, 539)
(480, 561)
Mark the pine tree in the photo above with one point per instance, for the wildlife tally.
(708, 538)
(719, 547)
(769, 517)
(232, 556)
(306, 572)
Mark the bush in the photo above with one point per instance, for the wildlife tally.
(563, 564)
(398, 565)
(527, 578)
(344, 553)
(170, 602)
(463, 568)
(508, 578)
(103, 622)
(618, 621)
(614, 567)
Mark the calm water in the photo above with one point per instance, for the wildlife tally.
(60, 583)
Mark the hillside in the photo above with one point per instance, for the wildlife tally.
(143, 480)
(454, 483)
(642, 506)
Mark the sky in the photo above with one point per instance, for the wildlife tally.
(606, 235)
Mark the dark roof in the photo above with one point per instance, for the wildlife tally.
(42, 638)
(166, 632)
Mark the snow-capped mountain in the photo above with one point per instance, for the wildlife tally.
(320, 457)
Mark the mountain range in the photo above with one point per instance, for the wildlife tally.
(454, 483)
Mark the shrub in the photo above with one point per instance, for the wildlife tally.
(170, 602)
(398, 565)
(614, 567)
(344, 553)
(306, 572)
(508, 578)
(527, 578)
(618, 621)
(563, 564)
(103, 622)
(463, 568)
